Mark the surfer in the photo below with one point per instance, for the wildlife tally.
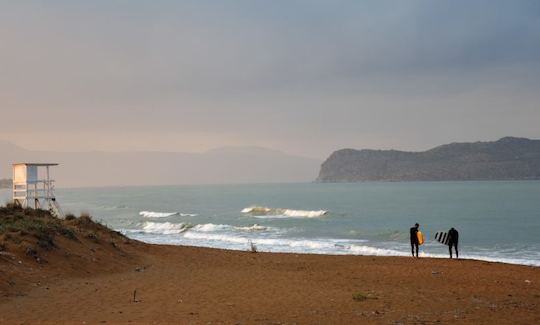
(414, 239)
(453, 238)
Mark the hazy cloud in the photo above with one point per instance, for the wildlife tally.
(302, 76)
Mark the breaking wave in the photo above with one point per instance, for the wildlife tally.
(210, 227)
(165, 228)
(264, 212)
(239, 238)
(169, 228)
(270, 239)
(152, 214)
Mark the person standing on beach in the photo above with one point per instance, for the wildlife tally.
(453, 238)
(414, 239)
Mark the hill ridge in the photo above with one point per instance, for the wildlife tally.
(228, 165)
(508, 158)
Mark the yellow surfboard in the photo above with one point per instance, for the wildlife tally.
(420, 237)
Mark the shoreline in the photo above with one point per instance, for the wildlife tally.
(75, 270)
(501, 260)
(196, 285)
(225, 250)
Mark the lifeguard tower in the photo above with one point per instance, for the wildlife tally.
(29, 191)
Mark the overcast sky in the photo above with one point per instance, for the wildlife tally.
(305, 77)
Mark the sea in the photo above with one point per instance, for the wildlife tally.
(497, 220)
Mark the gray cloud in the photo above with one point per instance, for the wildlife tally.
(302, 76)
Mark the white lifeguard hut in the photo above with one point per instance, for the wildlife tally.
(29, 191)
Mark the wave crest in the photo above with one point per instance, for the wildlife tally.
(165, 228)
(169, 228)
(264, 212)
(210, 227)
(153, 214)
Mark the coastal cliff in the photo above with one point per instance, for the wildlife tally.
(506, 159)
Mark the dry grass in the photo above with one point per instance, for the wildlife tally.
(361, 296)
(34, 231)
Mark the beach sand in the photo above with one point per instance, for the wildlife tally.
(94, 283)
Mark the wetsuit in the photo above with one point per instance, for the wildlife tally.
(414, 241)
(453, 238)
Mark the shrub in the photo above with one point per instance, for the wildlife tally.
(91, 236)
(30, 251)
(12, 205)
(68, 233)
(45, 240)
(84, 219)
(360, 296)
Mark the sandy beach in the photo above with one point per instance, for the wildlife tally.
(269, 162)
(122, 281)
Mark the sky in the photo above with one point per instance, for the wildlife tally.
(304, 77)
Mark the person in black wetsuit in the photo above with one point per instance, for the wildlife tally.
(414, 239)
(453, 238)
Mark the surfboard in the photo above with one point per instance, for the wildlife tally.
(442, 237)
(420, 237)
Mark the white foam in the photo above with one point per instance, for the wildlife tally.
(311, 244)
(368, 250)
(222, 240)
(256, 209)
(255, 227)
(264, 212)
(180, 234)
(521, 261)
(269, 239)
(152, 214)
(165, 228)
(215, 237)
(188, 214)
(271, 216)
(304, 213)
(168, 228)
(210, 227)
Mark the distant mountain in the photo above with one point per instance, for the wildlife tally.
(218, 166)
(506, 159)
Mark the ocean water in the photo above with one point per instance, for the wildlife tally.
(497, 221)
